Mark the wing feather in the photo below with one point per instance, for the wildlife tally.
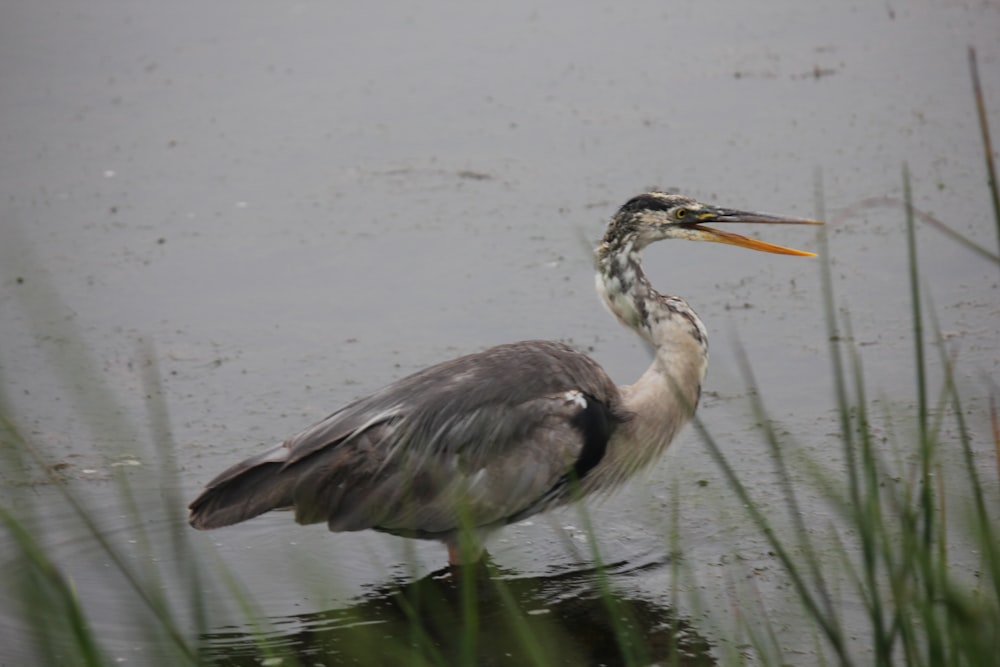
(480, 438)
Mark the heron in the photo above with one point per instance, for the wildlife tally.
(458, 450)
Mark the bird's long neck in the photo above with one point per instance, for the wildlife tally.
(663, 321)
(668, 392)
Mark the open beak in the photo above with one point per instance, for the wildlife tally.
(700, 232)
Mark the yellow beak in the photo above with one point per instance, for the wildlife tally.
(699, 232)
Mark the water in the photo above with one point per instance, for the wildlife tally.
(296, 204)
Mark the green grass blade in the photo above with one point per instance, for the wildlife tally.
(830, 630)
(927, 504)
(984, 128)
(61, 609)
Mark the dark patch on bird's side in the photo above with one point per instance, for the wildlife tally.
(596, 423)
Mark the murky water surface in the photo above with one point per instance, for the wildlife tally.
(289, 205)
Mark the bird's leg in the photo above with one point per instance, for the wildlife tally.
(464, 552)
(454, 554)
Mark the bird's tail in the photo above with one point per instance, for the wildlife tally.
(246, 490)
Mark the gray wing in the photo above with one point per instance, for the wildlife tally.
(483, 438)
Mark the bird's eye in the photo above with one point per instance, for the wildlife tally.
(680, 213)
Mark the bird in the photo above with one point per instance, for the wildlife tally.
(460, 449)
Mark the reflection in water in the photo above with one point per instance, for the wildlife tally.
(563, 619)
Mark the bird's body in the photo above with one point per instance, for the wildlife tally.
(472, 444)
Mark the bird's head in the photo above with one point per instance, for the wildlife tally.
(658, 215)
